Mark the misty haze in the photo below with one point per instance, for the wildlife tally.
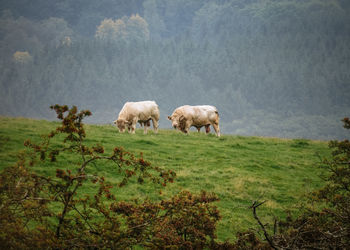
(272, 68)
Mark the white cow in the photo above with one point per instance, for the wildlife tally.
(142, 112)
(198, 116)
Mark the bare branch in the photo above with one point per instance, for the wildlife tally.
(267, 236)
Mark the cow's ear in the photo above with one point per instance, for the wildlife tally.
(169, 118)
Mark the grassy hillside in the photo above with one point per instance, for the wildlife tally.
(238, 169)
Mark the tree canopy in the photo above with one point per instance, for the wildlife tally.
(272, 68)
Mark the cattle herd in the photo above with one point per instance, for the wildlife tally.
(182, 118)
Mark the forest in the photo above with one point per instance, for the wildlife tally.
(277, 68)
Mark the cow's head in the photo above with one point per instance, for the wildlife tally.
(182, 123)
(174, 121)
(121, 124)
(178, 122)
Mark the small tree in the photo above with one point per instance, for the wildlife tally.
(137, 28)
(22, 57)
(110, 30)
(134, 28)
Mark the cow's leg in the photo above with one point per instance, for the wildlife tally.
(187, 127)
(198, 129)
(207, 128)
(155, 125)
(133, 126)
(145, 127)
(216, 128)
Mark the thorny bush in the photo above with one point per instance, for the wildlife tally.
(40, 211)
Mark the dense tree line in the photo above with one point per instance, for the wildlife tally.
(273, 68)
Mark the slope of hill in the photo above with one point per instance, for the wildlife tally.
(238, 169)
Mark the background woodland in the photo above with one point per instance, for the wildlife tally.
(272, 68)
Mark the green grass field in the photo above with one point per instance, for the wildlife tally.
(238, 169)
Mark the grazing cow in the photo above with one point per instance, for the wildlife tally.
(197, 116)
(141, 112)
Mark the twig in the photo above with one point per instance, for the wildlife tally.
(267, 236)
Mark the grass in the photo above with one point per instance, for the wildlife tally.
(238, 169)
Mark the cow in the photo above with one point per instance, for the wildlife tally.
(197, 116)
(141, 112)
